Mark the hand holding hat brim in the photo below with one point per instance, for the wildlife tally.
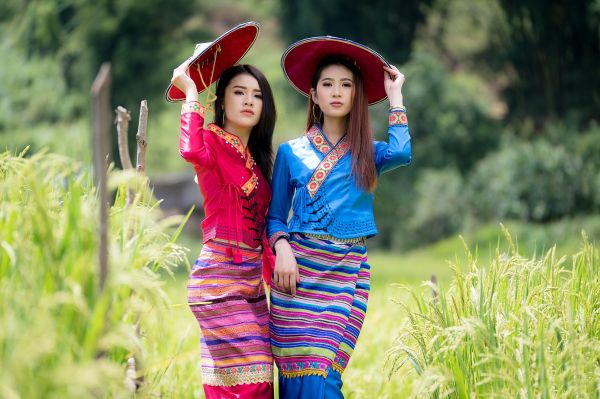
(212, 58)
(300, 60)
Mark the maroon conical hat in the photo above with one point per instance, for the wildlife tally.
(300, 60)
(213, 58)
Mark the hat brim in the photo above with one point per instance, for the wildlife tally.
(208, 65)
(300, 60)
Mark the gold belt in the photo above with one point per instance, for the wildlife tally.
(329, 237)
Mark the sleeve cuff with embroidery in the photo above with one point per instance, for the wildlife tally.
(276, 236)
(193, 106)
(398, 117)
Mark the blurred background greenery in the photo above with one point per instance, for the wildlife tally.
(503, 97)
(503, 102)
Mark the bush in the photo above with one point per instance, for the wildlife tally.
(440, 206)
(448, 115)
(586, 148)
(451, 126)
(525, 181)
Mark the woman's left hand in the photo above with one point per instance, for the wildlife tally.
(393, 80)
(182, 80)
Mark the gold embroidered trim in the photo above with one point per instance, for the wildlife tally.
(250, 185)
(337, 367)
(249, 160)
(329, 237)
(398, 117)
(236, 143)
(276, 236)
(303, 373)
(316, 137)
(193, 106)
(232, 139)
(328, 163)
(237, 375)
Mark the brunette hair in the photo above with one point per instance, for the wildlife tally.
(260, 142)
(358, 128)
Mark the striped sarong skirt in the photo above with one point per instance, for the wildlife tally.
(229, 302)
(316, 330)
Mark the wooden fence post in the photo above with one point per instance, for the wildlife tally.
(101, 141)
(434, 288)
(122, 121)
(142, 138)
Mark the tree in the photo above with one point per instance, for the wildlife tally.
(383, 24)
(554, 48)
(141, 38)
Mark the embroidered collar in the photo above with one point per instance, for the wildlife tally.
(332, 157)
(234, 141)
(320, 141)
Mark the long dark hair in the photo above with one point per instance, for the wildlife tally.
(358, 127)
(260, 142)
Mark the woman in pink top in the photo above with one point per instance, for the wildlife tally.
(232, 158)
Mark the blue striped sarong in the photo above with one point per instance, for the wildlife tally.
(315, 331)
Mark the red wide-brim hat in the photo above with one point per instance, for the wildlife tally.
(300, 61)
(211, 59)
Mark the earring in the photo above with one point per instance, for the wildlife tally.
(315, 119)
(223, 123)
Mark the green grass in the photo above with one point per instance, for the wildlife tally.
(365, 377)
(63, 336)
(515, 326)
(73, 340)
(393, 277)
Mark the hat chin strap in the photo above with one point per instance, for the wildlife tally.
(211, 97)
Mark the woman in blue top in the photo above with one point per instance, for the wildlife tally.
(321, 278)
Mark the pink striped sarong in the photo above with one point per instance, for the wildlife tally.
(229, 303)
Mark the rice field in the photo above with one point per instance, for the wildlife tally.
(503, 320)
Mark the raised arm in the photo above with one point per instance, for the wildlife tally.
(192, 145)
(397, 151)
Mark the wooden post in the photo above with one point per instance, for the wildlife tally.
(434, 292)
(122, 122)
(142, 138)
(101, 141)
(142, 143)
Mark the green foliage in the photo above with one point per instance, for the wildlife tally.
(32, 89)
(586, 148)
(69, 139)
(140, 39)
(460, 31)
(396, 25)
(441, 205)
(553, 48)
(61, 335)
(527, 181)
(461, 58)
(63, 42)
(173, 367)
(517, 327)
(448, 115)
(451, 128)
